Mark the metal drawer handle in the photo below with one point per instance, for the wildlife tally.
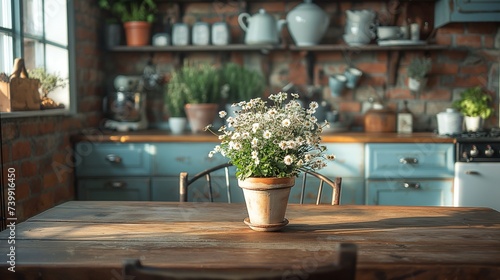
(408, 160)
(114, 158)
(116, 184)
(411, 185)
(471, 172)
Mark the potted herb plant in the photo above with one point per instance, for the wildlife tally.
(136, 16)
(475, 104)
(48, 83)
(174, 101)
(240, 83)
(268, 144)
(201, 86)
(417, 73)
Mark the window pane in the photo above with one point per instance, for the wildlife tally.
(7, 60)
(56, 28)
(5, 15)
(33, 54)
(32, 17)
(57, 63)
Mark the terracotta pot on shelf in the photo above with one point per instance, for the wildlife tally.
(137, 33)
(200, 115)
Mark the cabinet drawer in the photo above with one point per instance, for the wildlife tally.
(119, 189)
(429, 192)
(349, 160)
(173, 158)
(112, 159)
(420, 160)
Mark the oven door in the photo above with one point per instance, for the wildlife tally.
(477, 184)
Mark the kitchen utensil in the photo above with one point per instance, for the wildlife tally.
(389, 32)
(180, 34)
(353, 75)
(201, 34)
(307, 23)
(220, 33)
(337, 84)
(260, 28)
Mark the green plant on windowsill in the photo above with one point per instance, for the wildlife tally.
(130, 10)
(474, 102)
(48, 83)
(240, 83)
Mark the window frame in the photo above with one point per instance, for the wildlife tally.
(17, 35)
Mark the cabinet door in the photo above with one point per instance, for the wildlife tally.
(420, 160)
(118, 189)
(352, 191)
(349, 160)
(112, 159)
(173, 158)
(414, 192)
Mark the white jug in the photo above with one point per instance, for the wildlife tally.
(307, 23)
(361, 23)
(262, 28)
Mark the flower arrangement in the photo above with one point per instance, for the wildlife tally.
(272, 141)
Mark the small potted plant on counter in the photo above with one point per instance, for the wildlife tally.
(201, 86)
(475, 105)
(174, 101)
(136, 16)
(417, 73)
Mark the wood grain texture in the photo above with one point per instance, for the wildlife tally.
(337, 137)
(89, 240)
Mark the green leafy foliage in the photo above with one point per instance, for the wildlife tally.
(240, 83)
(474, 102)
(48, 82)
(198, 83)
(419, 68)
(130, 10)
(272, 141)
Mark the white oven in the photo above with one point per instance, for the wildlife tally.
(477, 171)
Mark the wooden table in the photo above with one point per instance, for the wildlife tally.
(89, 240)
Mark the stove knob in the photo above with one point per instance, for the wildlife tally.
(489, 151)
(474, 151)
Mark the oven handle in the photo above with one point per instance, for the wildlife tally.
(471, 172)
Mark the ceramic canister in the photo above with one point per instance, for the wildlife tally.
(449, 122)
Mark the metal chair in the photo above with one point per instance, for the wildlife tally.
(185, 182)
(336, 186)
(344, 268)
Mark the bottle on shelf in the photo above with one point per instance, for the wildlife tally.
(405, 119)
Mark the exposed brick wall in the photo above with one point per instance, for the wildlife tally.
(39, 148)
(473, 58)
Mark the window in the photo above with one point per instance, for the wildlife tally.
(37, 30)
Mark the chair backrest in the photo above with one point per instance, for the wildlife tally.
(185, 182)
(344, 268)
(335, 184)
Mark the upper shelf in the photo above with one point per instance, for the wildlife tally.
(243, 47)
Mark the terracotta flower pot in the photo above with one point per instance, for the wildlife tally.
(137, 33)
(266, 200)
(200, 115)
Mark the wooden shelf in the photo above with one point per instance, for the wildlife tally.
(269, 47)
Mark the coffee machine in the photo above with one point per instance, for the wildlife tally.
(125, 105)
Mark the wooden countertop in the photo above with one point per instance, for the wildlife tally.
(90, 239)
(331, 137)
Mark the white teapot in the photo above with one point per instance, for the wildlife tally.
(262, 28)
(307, 23)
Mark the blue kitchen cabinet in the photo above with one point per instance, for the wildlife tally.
(114, 189)
(409, 174)
(410, 192)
